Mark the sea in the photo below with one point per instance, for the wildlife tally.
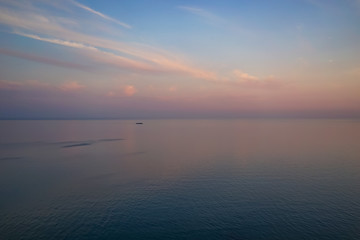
(180, 179)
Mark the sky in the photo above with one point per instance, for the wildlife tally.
(85, 59)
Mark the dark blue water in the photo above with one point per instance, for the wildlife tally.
(180, 179)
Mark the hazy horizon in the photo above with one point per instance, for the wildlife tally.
(190, 118)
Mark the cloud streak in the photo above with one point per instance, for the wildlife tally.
(100, 14)
(42, 87)
(45, 60)
(202, 13)
(244, 76)
(39, 25)
(242, 79)
(57, 41)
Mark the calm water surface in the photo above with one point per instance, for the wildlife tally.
(180, 179)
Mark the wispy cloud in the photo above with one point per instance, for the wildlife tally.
(41, 59)
(246, 80)
(41, 26)
(96, 54)
(7, 85)
(100, 14)
(56, 41)
(203, 13)
(33, 85)
(242, 79)
(331, 7)
(243, 75)
(219, 21)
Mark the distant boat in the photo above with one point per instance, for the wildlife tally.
(139, 123)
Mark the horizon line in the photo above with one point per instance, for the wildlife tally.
(186, 118)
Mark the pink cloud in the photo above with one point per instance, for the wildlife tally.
(247, 80)
(244, 80)
(242, 76)
(287, 101)
(268, 83)
(129, 90)
(173, 89)
(71, 86)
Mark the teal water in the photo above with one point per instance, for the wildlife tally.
(180, 179)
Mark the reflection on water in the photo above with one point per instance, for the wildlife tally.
(180, 179)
